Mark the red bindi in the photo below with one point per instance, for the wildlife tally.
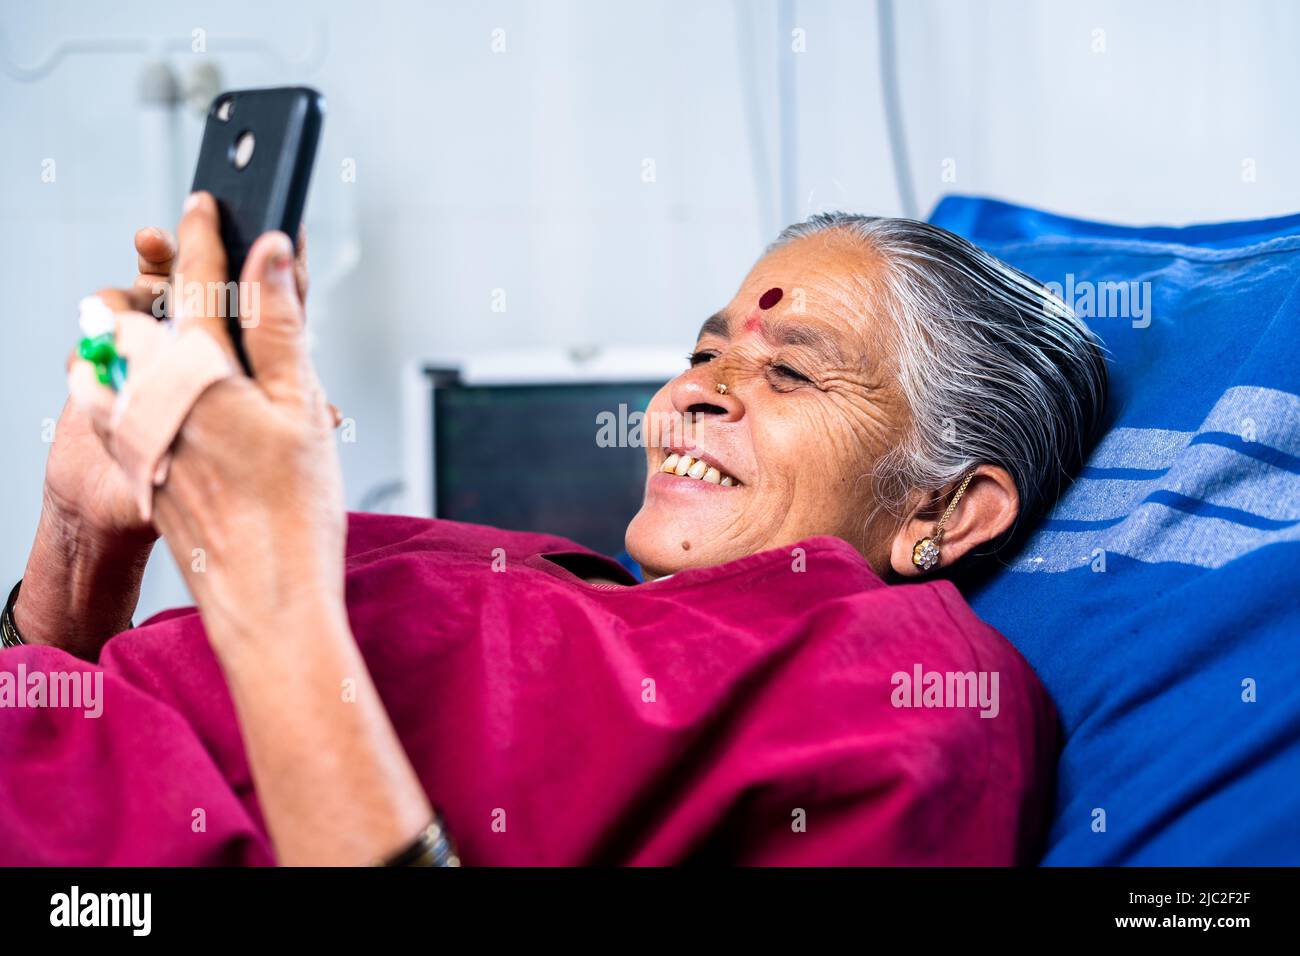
(770, 298)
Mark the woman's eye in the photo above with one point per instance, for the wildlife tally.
(699, 358)
(793, 375)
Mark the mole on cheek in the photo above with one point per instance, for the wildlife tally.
(770, 298)
(686, 546)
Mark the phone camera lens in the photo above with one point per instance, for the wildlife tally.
(225, 109)
(242, 154)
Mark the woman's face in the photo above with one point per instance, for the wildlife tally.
(811, 404)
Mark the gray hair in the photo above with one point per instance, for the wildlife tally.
(994, 368)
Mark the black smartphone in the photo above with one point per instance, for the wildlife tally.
(256, 159)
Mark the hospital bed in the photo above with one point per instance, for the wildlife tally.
(1159, 602)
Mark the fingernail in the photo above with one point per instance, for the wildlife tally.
(280, 263)
(191, 201)
(283, 248)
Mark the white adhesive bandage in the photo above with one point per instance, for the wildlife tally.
(168, 372)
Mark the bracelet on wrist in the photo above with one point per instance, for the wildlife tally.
(9, 636)
(431, 848)
(9, 633)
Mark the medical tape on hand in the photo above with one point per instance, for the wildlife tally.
(168, 373)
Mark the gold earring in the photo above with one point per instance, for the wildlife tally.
(925, 554)
(721, 389)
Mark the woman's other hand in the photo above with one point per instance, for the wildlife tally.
(83, 486)
(82, 579)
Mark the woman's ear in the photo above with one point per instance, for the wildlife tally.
(985, 511)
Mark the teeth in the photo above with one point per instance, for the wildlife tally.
(684, 466)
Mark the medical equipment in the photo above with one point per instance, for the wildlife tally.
(547, 440)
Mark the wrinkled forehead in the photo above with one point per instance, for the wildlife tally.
(823, 286)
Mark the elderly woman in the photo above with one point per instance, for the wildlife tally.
(794, 682)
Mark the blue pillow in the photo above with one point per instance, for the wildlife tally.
(1160, 600)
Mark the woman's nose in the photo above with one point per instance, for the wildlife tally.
(704, 390)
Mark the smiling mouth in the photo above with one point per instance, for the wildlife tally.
(696, 469)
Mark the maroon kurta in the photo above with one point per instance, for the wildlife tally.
(789, 707)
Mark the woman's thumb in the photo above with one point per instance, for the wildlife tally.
(272, 320)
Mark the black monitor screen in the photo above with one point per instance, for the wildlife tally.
(534, 458)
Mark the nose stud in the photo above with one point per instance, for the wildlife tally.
(721, 388)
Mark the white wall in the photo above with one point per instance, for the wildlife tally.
(1154, 129)
(523, 170)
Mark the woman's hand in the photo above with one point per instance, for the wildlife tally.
(265, 445)
(83, 486)
(83, 574)
(156, 255)
(252, 510)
